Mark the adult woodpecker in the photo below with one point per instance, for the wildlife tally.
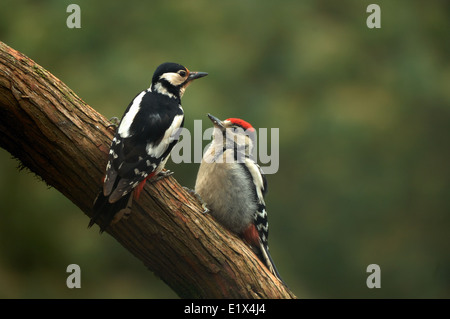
(148, 131)
(232, 186)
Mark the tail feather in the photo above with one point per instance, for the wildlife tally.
(252, 237)
(268, 261)
(106, 213)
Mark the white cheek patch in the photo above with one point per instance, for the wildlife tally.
(158, 150)
(124, 128)
(173, 78)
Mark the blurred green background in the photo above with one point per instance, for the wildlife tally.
(364, 119)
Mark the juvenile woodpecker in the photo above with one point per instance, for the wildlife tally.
(232, 186)
(148, 131)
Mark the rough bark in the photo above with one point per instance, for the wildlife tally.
(45, 125)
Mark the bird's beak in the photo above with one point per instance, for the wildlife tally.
(196, 75)
(217, 123)
(191, 77)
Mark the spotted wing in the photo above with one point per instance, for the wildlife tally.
(142, 144)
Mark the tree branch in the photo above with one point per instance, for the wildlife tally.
(59, 137)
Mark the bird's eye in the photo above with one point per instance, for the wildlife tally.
(182, 73)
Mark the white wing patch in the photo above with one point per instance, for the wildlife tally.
(158, 150)
(257, 177)
(124, 128)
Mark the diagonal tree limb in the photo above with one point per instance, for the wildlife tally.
(45, 125)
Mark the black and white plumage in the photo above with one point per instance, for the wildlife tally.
(148, 131)
(232, 186)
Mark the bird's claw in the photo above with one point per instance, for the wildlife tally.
(114, 122)
(163, 174)
(199, 198)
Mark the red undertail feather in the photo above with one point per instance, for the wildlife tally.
(140, 187)
(251, 235)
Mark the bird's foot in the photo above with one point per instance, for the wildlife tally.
(199, 198)
(163, 174)
(114, 122)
